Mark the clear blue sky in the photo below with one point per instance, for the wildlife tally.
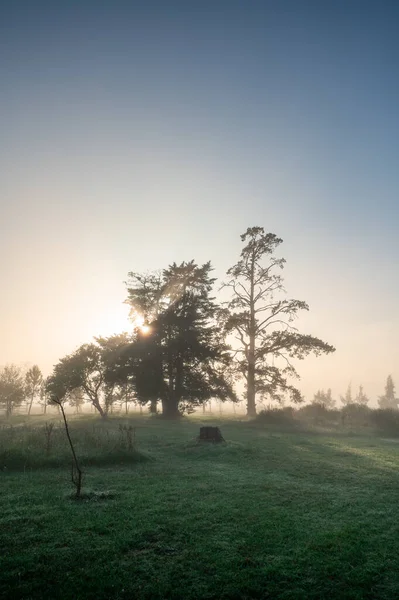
(134, 134)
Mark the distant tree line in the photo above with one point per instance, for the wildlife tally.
(186, 348)
(387, 400)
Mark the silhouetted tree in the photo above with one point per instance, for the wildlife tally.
(388, 400)
(76, 399)
(147, 298)
(118, 380)
(44, 398)
(89, 369)
(361, 397)
(12, 389)
(33, 385)
(180, 357)
(261, 322)
(125, 395)
(347, 399)
(324, 399)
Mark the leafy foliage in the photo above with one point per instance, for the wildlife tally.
(12, 388)
(91, 371)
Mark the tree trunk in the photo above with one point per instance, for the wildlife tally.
(30, 405)
(251, 404)
(171, 408)
(100, 409)
(153, 406)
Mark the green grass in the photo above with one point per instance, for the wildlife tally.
(269, 514)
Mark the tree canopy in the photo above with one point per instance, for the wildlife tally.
(182, 358)
(12, 388)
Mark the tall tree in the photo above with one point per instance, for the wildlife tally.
(181, 358)
(388, 400)
(33, 385)
(261, 320)
(12, 389)
(147, 299)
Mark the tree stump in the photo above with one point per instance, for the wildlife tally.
(210, 434)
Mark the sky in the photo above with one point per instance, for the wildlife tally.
(135, 134)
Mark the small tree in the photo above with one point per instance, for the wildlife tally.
(324, 399)
(58, 395)
(44, 397)
(361, 397)
(12, 389)
(388, 400)
(76, 399)
(90, 370)
(347, 399)
(125, 395)
(33, 385)
(76, 471)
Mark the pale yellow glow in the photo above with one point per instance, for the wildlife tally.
(139, 323)
(109, 322)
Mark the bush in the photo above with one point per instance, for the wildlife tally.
(385, 420)
(277, 416)
(356, 415)
(318, 414)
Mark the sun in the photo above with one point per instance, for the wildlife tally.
(139, 323)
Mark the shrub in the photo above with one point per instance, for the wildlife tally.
(385, 420)
(318, 414)
(356, 415)
(277, 416)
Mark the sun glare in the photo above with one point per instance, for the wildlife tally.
(139, 323)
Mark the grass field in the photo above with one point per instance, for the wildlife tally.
(269, 514)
